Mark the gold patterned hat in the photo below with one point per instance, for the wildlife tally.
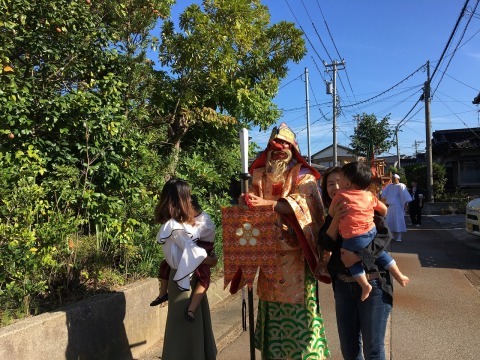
(283, 132)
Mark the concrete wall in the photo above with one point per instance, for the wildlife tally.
(118, 326)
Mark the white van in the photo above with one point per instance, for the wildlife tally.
(472, 219)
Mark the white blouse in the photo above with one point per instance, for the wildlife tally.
(180, 250)
(206, 227)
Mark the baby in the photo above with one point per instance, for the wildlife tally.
(357, 227)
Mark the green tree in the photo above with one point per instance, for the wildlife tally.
(74, 89)
(222, 68)
(371, 135)
(91, 128)
(418, 173)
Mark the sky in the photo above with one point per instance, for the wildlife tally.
(385, 46)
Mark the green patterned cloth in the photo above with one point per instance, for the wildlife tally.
(292, 331)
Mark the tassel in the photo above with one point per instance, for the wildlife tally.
(244, 311)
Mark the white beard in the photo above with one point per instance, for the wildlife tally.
(278, 167)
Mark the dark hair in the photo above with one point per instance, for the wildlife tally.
(323, 186)
(358, 173)
(196, 205)
(175, 203)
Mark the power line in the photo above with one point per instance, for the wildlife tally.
(316, 32)
(456, 48)
(389, 89)
(316, 102)
(335, 46)
(458, 117)
(301, 28)
(303, 107)
(457, 101)
(318, 69)
(450, 39)
(451, 77)
(298, 77)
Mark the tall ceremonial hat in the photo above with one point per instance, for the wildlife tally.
(282, 132)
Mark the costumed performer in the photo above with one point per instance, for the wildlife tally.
(289, 322)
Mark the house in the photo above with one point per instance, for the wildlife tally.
(405, 160)
(459, 151)
(325, 156)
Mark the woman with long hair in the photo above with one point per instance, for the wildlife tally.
(188, 332)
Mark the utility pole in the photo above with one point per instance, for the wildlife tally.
(307, 105)
(416, 146)
(397, 128)
(428, 137)
(335, 65)
(398, 149)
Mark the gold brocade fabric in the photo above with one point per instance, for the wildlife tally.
(248, 243)
(301, 192)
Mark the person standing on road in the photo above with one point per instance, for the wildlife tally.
(178, 236)
(361, 324)
(415, 206)
(396, 196)
(289, 322)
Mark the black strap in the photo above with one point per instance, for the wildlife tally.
(244, 315)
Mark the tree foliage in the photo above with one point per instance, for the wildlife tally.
(418, 173)
(223, 67)
(73, 89)
(371, 136)
(91, 127)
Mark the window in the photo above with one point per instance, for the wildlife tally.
(469, 173)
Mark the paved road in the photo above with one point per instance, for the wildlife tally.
(437, 317)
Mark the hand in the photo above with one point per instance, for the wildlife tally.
(348, 257)
(259, 201)
(339, 211)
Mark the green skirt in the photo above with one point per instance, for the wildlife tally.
(292, 331)
(184, 340)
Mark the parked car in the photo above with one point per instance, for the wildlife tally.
(472, 219)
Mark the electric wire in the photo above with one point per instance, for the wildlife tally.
(288, 83)
(451, 77)
(389, 89)
(335, 46)
(316, 32)
(449, 40)
(456, 101)
(318, 69)
(458, 117)
(316, 102)
(456, 48)
(399, 102)
(306, 36)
